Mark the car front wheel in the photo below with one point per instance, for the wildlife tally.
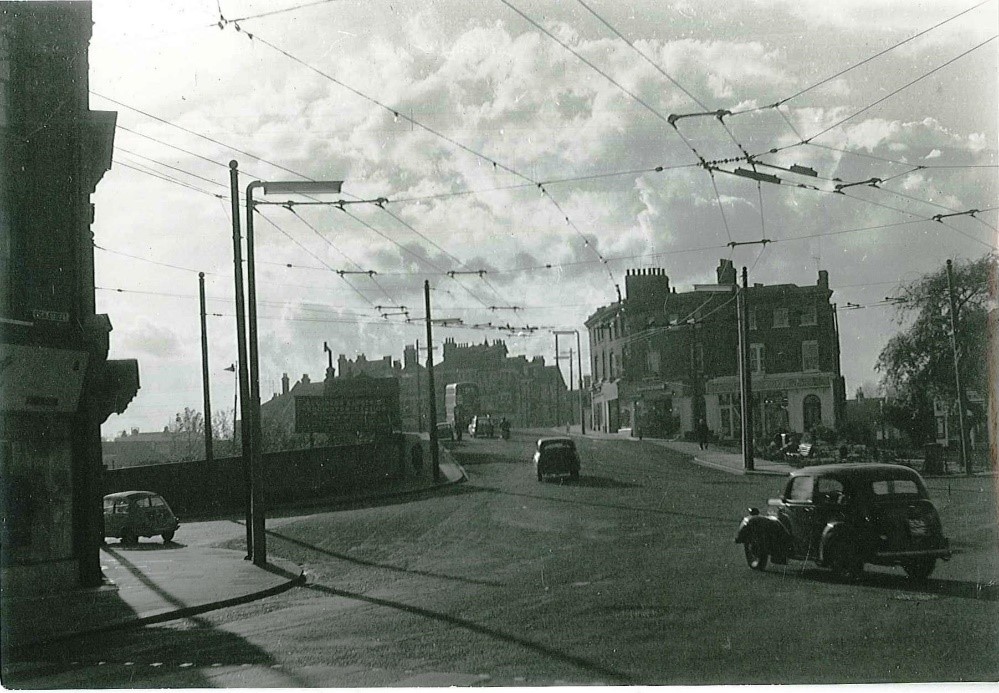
(167, 537)
(756, 553)
(919, 568)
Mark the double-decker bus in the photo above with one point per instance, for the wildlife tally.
(461, 403)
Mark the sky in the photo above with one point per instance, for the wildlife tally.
(524, 157)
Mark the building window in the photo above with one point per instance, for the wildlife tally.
(611, 373)
(652, 361)
(756, 358)
(809, 356)
(752, 318)
(808, 315)
(811, 411)
(603, 364)
(699, 357)
(780, 317)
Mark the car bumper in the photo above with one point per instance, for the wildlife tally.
(944, 553)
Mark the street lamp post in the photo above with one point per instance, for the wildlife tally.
(259, 539)
(579, 363)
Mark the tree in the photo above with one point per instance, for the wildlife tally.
(917, 364)
(189, 430)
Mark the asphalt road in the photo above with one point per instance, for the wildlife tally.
(629, 575)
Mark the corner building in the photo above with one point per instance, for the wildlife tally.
(58, 385)
(663, 359)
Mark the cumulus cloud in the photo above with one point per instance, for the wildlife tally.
(475, 99)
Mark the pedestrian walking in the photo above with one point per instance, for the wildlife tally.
(701, 430)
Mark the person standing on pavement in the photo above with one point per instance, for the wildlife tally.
(701, 431)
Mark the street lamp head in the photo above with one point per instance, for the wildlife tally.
(302, 186)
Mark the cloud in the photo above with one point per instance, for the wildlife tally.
(483, 81)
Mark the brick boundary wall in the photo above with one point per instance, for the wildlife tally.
(201, 489)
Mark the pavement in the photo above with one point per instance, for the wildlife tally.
(152, 582)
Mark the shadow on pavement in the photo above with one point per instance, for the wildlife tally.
(600, 482)
(374, 564)
(617, 506)
(159, 657)
(145, 546)
(542, 650)
(340, 504)
(899, 582)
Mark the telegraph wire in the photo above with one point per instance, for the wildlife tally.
(198, 134)
(173, 168)
(645, 57)
(902, 88)
(247, 18)
(152, 262)
(451, 275)
(659, 70)
(316, 257)
(164, 177)
(348, 258)
(671, 121)
(596, 69)
(721, 208)
(862, 62)
(416, 123)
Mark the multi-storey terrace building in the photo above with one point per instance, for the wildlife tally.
(663, 359)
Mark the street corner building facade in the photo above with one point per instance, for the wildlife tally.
(57, 385)
(662, 360)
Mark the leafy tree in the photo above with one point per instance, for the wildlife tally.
(189, 427)
(917, 364)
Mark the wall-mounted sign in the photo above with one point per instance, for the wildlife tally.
(40, 379)
(50, 315)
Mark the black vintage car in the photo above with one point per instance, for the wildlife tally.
(556, 456)
(842, 516)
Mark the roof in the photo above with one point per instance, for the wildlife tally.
(555, 439)
(129, 494)
(858, 468)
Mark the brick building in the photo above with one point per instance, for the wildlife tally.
(527, 392)
(662, 359)
(58, 385)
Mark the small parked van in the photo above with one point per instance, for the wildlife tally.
(129, 515)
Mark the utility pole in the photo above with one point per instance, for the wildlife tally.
(579, 362)
(419, 392)
(244, 387)
(256, 463)
(745, 378)
(558, 394)
(961, 404)
(432, 423)
(572, 379)
(209, 453)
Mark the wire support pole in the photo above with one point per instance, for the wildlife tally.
(432, 423)
(242, 374)
(558, 383)
(256, 464)
(745, 379)
(961, 404)
(579, 362)
(205, 384)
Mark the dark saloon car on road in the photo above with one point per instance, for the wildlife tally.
(845, 515)
(556, 456)
(133, 514)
